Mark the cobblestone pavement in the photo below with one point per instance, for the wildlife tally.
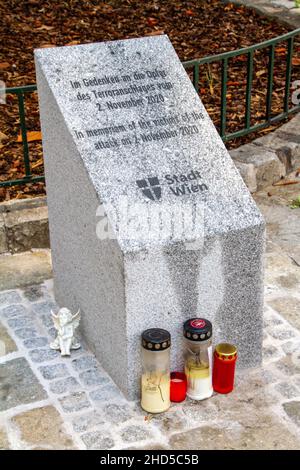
(49, 402)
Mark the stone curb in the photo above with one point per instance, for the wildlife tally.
(268, 159)
(24, 225)
(284, 11)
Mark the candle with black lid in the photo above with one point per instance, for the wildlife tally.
(155, 383)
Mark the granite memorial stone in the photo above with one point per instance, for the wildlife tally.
(150, 221)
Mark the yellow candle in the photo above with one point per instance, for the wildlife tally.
(155, 392)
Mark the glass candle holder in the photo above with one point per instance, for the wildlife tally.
(155, 383)
(178, 387)
(198, 358)
(225, 357)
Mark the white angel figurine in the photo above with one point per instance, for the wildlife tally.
(65, 324)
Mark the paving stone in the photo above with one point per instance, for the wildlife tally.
(289, 307)
(292, 409)
(7, 344)
(270, 377)
(47, 320)
(98, 440)
(281, 334)
(19, 322)
(33, 343)
(289, 365)
(291, 347)
(94, 377)
(18, 384)
(34, 293)
(75, 402)
(297, 382)
(200, 414)
(52, 332)
(43, 354)
(69, 384)
(150, 446)
(135, 433)
(26, 333)
(108, 392)
(10, 297)
(13, 311)
(45, 307)
(288, 281)
(43, 426)
(272, 320)
(54, 371)
(84, 363)
(287, 390)
(171, 421)
(265, 434)
(4, 445)
(89, 420)
(116, 413)
(270, 352)
(244, 406)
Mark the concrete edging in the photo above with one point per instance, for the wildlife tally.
(269, 158)
(24, 225)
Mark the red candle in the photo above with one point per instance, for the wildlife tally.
(178, 387)
(225, 357)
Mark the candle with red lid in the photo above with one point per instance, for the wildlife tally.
(225, 357)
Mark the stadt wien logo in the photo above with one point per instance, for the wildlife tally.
(179, 185)
(150, 188)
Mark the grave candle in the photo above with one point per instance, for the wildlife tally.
(178, 387)
(225, 357)
(155, 383)
(198, 358)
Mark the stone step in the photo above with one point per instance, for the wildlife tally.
(24, 269)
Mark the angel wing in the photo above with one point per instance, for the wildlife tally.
(76, 320)
(55, 320)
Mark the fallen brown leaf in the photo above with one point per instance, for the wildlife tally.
(285, 183)
(296, 61)
(47, 45)
(3, 137)
(44, 27)
(37, 164)
(190, 13)
(152, 21)
(32, 136)
(155, 33)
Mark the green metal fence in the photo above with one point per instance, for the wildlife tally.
(270, 45)
(194, 66)
(21, 93)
